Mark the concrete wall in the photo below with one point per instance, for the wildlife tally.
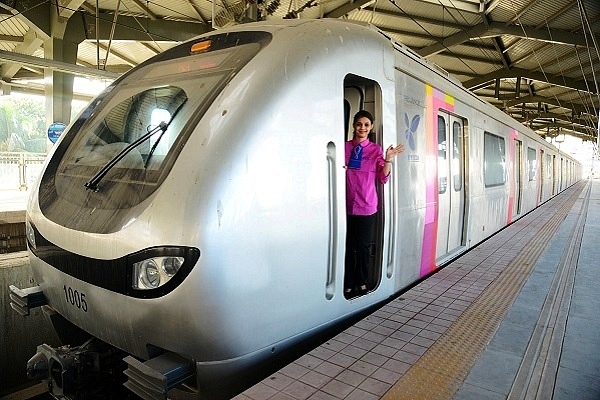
(19, 336)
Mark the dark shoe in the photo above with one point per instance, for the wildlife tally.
(351, 293)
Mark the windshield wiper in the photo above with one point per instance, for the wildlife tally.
(154, 148)
(92, 184)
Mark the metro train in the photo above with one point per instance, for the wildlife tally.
(191, 220)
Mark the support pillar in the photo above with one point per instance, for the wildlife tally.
(58, 86)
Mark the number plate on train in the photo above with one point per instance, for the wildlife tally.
(75, 298)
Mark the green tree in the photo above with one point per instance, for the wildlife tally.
(22, 124)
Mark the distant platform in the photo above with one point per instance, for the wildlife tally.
(13, 204)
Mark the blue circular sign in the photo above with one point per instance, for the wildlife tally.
(55, 130)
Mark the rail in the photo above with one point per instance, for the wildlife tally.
(18, 171)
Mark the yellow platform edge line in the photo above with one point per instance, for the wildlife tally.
(440, 371)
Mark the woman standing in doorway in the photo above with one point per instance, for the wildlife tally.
(365, 164)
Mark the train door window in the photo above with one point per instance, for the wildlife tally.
(531, 164)
(457, 156)
(364, 94)
(442, 155)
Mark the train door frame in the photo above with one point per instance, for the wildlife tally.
(518, 177)
(542, 177)
(452, 192)
(549, 173)
(560, 175)
(554, 175)
(361, 93)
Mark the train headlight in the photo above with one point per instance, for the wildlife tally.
(170, 265)
(155, 272)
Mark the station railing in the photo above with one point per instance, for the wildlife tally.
(18, 171)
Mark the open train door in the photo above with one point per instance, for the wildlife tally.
(362, 93)
(451, 184)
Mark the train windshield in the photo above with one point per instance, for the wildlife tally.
(133, 134)
(127, 149)
(124, 144)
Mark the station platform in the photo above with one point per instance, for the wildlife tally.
(517, 317)
(13, 201)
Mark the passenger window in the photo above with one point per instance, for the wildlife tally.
(494, 160)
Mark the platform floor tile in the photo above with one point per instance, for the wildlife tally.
(423, 344)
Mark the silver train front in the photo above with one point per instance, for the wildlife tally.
(250, 196)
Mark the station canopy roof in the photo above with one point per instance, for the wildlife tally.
(537, 60)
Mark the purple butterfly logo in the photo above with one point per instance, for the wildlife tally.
(411, 129)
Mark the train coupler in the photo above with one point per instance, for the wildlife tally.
(23, 300)
(152, 379)
(84, 372)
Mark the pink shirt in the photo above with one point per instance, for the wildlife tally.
(361, 193)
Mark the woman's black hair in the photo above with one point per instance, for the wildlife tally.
(363, 113)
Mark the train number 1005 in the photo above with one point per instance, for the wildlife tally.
(75, 298)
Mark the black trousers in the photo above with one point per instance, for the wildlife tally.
(359, 237)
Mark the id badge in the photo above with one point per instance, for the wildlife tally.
(355, 157)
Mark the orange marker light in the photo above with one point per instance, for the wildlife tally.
(201, 46)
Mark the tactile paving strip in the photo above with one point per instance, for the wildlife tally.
(440, 372)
